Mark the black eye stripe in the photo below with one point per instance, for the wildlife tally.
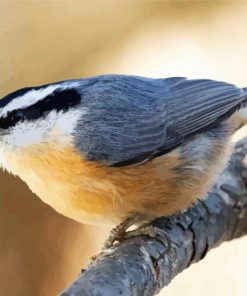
(57, 101)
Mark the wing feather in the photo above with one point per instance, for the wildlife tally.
(133, 119)
(191, 106)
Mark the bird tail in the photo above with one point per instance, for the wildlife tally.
(240, 117)
(245, 90)
(244, 98)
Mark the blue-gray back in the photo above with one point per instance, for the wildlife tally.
(129, 119)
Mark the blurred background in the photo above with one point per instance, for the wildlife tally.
(41, 252)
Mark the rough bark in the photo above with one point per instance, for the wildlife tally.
(144, 265)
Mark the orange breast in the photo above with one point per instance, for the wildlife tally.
(93, 193)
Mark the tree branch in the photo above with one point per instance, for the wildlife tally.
(143, 265)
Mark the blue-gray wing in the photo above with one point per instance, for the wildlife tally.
(133, 119)
(201, 103)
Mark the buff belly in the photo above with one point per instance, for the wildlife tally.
(92, 193)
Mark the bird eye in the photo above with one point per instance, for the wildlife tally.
(18, 115)
(12, 119)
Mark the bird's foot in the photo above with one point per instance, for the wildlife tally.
(149, 230)
(118, 233)
(144, 230)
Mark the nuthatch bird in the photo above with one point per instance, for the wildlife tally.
(119, 148)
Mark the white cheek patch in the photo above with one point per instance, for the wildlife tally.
(55, 125)
(65, 124)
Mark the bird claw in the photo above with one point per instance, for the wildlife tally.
(144, 230)
(119, 232)
(148, 230)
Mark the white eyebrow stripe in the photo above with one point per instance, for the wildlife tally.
(28, 99)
